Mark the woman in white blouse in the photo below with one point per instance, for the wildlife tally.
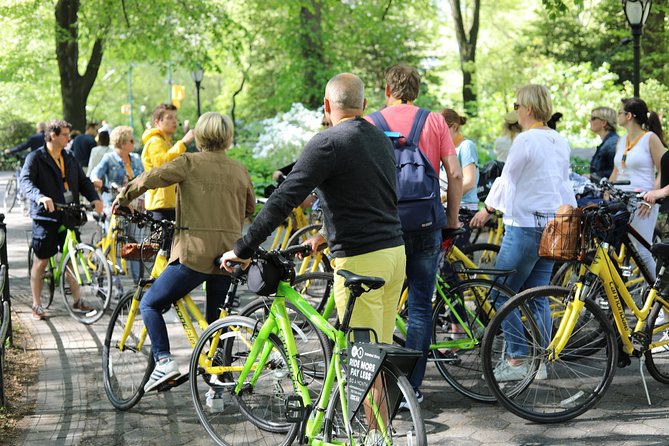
(637, 160)
(535, 178)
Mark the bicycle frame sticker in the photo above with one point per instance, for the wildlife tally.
(364, 364)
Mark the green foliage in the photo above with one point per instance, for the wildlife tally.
(14, 130)
(580, 165)
(260, 169)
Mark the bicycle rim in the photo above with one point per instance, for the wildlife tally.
(404, 428)
(10, 196)
(459, 360)
(257, 415)
(484, 255)
(543, 389)
(657, 358)
(125, 372)
(95, 285)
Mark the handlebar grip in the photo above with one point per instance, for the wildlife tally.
(297, 249)
(620, 183)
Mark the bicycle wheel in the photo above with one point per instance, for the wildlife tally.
(542, 389)
(459, 360)
(314, 347)
(49, 285)
(10, 195)
(657, 358)
(255, 415)
(306, 265)
(403, 428)
(484, 255)
(126, 370)
(315, 288)
(95, 283)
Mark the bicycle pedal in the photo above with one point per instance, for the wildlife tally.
(296, 411)
(623, 361)
(170, 383)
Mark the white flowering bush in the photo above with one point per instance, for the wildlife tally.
(283, 137)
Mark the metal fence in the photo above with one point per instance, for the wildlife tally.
(5, 308)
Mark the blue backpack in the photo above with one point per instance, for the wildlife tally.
(418, 195)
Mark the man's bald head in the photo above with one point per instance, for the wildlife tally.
(345, 91)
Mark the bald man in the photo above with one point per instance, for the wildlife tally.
(352, 164)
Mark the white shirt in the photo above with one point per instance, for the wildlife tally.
(535, 178)
(639, 166)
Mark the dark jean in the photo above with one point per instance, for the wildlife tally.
(422, 252)
(520, 251)
(175, 282)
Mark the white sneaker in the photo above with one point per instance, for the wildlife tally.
(660, 319)
(374, 438)
(662, 348)
(164, 371)
(541, 374)
(214, 400)
(506, 372)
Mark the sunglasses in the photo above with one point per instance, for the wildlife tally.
(516, 106)
(622, 112)
(592, 118)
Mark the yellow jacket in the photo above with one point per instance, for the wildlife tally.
(157, 151)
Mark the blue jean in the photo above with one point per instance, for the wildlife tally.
(422, 252)
(175, 282)
(520, 251)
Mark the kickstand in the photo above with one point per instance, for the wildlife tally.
(642, 362)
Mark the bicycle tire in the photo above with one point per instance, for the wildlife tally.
(300, 236)
(657, 359)
(572, 383)
(255, 415)
(405, 427)
(125, 372)
(484, 255)
(11, 191)
(49, 286)
(314, 347)
(315, 288)
(462, 369)
(96, 287)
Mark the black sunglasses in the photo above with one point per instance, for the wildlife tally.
(516, 106)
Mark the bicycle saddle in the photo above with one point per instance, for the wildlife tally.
(660, 250)
(354, 279)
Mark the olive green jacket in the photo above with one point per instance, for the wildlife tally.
(214, 196)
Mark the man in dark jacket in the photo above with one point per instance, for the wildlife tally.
(83, 145)
(52, 175)
(33, 143)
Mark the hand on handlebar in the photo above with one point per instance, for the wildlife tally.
(315, 242)
(229, 259)
(48, 204)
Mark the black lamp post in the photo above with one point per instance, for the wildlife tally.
(198, 74)
(636, 12)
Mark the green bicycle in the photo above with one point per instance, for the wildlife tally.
(81, 272)
(263, 394)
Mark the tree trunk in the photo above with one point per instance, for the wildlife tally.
(467, 47)
(74, 87)
(312, 53)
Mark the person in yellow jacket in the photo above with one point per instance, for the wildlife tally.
(158, 150)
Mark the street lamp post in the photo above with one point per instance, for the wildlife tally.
(198, 74)
(636, 12)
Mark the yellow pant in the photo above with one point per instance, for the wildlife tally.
(375, 309)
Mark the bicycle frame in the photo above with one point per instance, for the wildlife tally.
(108, 247)
(69, 245)
(278, 322)
(604, 268)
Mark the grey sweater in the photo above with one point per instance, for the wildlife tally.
(353, 167)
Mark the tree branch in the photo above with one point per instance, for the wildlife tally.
(385, 12)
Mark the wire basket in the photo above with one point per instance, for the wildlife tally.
(561, 234)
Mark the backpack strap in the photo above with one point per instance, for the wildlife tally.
(417, 127)
(379, 121)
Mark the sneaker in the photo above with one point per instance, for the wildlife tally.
(660, 319)
(38, 313)
(165, 370)
(662, 348)
(374, 438)
(80, 306)
(506, 372)
(405, 406)
(541, 374)
(214, 400)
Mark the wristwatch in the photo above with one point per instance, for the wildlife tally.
(489, 211)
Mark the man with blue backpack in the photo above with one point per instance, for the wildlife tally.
(422, 141)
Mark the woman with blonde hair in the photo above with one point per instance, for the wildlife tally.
(510, 130)
(467, 156)
(535, 178)
(214, 196)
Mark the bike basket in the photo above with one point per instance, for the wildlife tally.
(139, 251)
(561, 233)
(264, 276)
(74, 218)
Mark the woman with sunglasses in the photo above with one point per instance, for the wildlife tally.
(535, 178)
(603, 123)
(637, 160)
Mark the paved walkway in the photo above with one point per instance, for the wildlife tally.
(72, 408)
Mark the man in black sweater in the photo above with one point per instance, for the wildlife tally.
(352, 165)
